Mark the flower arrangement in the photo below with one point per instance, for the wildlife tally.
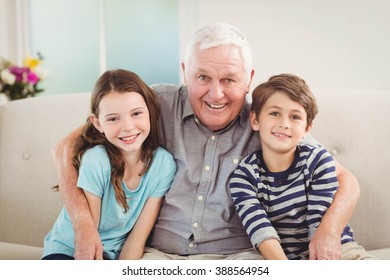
(18, 82)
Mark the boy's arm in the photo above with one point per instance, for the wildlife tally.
(242, 186)
(271, 249)
(87, 240)
(133, 249)
(326, 243)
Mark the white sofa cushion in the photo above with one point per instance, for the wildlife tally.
(12, 251)
(29, 129)
(355, 126)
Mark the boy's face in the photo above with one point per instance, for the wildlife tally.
(282, 123)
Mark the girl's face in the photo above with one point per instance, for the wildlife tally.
(282, 123)
(124, 119)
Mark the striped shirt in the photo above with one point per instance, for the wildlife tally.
(288, 205)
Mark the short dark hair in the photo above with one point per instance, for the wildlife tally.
(293, 86)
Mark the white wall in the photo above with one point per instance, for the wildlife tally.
(142, 36)
(66, 33)
(14, 37)
(78, 43)
(342, 44)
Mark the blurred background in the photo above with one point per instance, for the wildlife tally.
(341, 44)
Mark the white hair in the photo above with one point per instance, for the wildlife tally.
(219, 35)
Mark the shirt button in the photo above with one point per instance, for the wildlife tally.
(200, 197)
(195, 225)
(235, 161)
(280, 181)
(191, 245)
(213, 137)
(207, 168)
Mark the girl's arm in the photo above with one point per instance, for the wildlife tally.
(134, 246)
(271, 249)
(95, 204)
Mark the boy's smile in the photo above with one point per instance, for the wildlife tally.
(282, 123)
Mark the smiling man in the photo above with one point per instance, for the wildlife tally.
(205, 125)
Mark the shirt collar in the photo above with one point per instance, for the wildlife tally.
(187, 108)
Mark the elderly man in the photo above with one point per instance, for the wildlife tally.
(205, 125)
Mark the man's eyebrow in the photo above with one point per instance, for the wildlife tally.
(200, 70)
(230, 75)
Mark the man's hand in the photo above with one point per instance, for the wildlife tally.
(326, 242)
(88, 245)
(325, 245)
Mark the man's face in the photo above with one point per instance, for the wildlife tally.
(217, 85)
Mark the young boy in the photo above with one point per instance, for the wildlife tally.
(282, 191)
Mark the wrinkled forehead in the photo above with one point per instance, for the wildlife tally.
(224, 61)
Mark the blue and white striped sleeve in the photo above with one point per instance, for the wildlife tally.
(244, 189)
(323, 186)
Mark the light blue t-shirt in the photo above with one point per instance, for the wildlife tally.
(115, 225)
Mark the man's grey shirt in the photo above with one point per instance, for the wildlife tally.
(198, 215)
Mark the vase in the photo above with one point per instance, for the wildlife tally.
(4, 99)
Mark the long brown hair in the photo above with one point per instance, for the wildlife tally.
(120, 81)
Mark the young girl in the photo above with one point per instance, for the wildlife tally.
(122, 171)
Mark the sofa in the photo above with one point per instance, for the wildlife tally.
(353, 125)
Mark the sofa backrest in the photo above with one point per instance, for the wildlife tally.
(29, 128)
(355, 127)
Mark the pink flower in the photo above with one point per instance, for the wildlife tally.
(32, 78)
(24, 74)
(19, 72)
(19, 82)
